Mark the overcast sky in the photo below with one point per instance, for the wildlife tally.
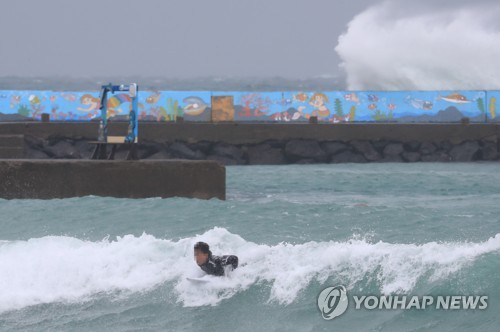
(379, 44)
(176, 38)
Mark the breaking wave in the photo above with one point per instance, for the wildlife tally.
(408, 45)
(70, 270)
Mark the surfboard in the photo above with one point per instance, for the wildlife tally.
(198, 280)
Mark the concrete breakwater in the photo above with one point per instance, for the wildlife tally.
(281, 152)
(254, 144)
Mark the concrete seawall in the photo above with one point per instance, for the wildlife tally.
(47, 179)
(264, 143)
(252, 133)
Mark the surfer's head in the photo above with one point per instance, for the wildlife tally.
(201, 252)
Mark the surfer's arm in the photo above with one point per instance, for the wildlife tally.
(230, 260)
(218, 268)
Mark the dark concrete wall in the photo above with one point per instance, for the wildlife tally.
(264, 143)
(252, 133)
(46, 179)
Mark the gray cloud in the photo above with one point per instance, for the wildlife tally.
(176, 38)
(187, 39)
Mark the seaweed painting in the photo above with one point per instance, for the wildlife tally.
(378, 115)
(480, 105)
(492, 108)
(338, 108)
(24, 111)
(173, 109)
(352, 113)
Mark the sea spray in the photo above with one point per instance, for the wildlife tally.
(408, 45)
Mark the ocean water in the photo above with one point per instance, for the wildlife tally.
(95, 263)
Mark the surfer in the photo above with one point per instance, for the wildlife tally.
(215, 265)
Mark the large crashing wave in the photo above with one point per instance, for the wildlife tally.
(408, 45)
(69, 270)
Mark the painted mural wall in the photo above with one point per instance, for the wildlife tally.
(84, 106)
(328, 106)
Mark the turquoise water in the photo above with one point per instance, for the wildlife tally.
(101, 263)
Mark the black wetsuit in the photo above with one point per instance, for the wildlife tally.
(215, 264)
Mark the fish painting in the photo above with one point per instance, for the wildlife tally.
(153, 99)
(14, 101)
(372, 98)
(286, 116)
(34, 100)
(391, 107)
(352, 97)
(456, 98)
(372, 106)
(301, 97)
(419, 103)
(284, 102)
(194, 106)
(69, 97)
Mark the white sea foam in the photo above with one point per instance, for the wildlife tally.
(398, 45)
(64, 269)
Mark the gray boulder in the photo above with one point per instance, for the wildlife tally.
(265, 154)
(229, 151)
(144, 152)
(348, 157)
(304, 149)
(36, 154)
(62, 150)
(33, 141)
(160, 155)
(468, 151)
(379, 146)
(427, 148)
(332, 148)
(411, 146)
(84, 149)
(225, 160)
(367, 150)
(489, 151)
(438, 156)
(444, 145)
(121, 154)
(182, 151)
(277, 143)
(393, 149)
(203, 146)
(410, 156)
(391, 159)
(306, 161)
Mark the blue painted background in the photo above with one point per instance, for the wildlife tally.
(329, 106)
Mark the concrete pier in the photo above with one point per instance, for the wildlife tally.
(47, 179)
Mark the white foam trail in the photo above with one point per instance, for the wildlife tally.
(64, 269)
(55, 268)
(411, 45)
